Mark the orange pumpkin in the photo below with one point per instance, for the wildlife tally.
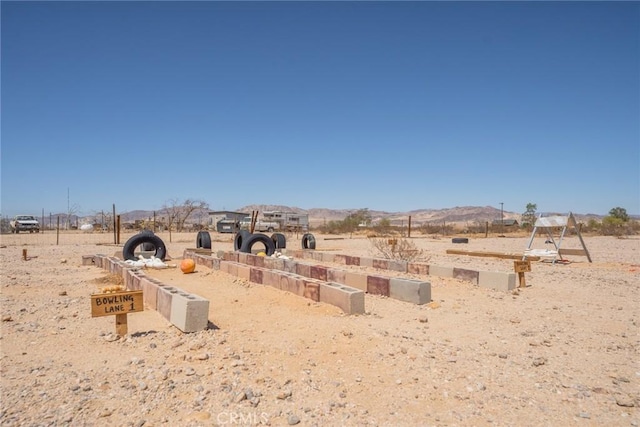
(188, 265)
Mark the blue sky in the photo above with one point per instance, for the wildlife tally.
(389, 106)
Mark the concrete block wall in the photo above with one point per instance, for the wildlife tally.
(285, 275)
(496, 280)
(413, 291)
(188, 312)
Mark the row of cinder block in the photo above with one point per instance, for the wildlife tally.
(261, 269)
(501, 281)
(188, 312)
(349, 299)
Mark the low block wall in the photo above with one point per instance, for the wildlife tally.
(188, 312)
(407, 290)
(497, 280)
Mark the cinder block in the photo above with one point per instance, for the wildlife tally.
(352, 260)
(340, 259)
(328, 257)
(255, 275)
(378, 285)
(88, 260)
(381, 264)
(303, 269)
(311, 289)
(290, 266)
(349, 299)
(233, 268)
(356, 280)
(437, 270)
(243, 258)
(149, 292)
(318, 272)
(398, 265)
(274, 263)
(244, 272)
(231, 256)
(215, 263)
(224, 266)
(366, 262)
(335, 275)
(189, 313)
(295, 253)
(205, 261)
(497, 280)
(221, 254)
(418, 268)
(133, 280)
(466, 275)
(258, 261)
(271, 278)
(409, 290)
(315, 255)
(292, 283)
(163, 305)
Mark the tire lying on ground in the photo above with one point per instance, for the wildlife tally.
(203, 240)
(459, 240)
(279, 240)
(269, 245)
(239, 237)
(308, 241)
(147, 247)
(156, 243)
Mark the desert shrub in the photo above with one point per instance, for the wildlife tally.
(397, 249)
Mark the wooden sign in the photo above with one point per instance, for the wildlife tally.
(522, 267)
(118, 304)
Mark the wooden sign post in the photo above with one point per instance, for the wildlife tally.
(118, 304)
(522, 267)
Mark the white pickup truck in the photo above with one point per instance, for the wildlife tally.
(261, 225)
(24, 223)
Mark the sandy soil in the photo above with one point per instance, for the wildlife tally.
(563, 351)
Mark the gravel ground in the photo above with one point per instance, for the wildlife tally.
(563, 351)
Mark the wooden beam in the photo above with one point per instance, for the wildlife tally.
(490, 254)
(563, 251)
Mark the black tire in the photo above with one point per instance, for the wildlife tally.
(279, 240)
(147, 247)
(203, 240)
(308, 241)
(269, 246)
(270, 229)
(239, 238)
(459, 240)
(128, 251)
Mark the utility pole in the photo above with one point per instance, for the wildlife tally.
(502, 219)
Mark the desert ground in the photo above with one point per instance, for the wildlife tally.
(563, 351)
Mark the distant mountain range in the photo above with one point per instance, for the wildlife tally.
(318, 216)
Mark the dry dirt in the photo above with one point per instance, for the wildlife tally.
(563, 351)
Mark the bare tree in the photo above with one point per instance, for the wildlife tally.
(178, 213)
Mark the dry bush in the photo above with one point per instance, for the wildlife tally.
(398, 249)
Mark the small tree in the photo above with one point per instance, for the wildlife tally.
(529, 216)
(615, 223)
(619, 213)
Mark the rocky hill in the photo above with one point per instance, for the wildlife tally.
(317, 216)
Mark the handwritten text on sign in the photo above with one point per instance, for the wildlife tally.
(116, 303)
